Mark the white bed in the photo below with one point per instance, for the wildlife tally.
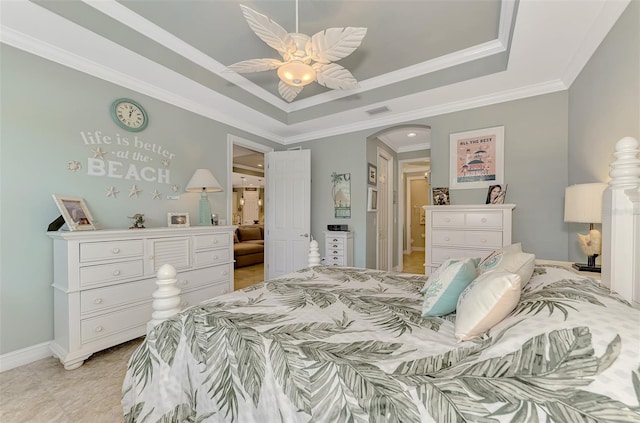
(333, 344)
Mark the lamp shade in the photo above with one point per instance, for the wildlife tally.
(583, 203)
(203, 180)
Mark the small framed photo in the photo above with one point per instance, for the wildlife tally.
(441, 196)
(372, 200)
(75, 213)
(178, 220)
(496, 194)
(372, 172)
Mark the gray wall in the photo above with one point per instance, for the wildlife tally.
(604, 106)
(45, 109)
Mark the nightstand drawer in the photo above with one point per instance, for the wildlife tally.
(484, 219)
(105, 273)
(335, 260)
(91, 251)
(93, 300)
(211, 241)
(337, 242)
(203, 258)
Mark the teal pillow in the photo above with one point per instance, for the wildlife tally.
(445, 285)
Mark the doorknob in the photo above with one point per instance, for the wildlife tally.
(305, 235)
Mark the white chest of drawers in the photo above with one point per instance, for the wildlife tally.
(465, 231)
(338, 248)
(103, 281)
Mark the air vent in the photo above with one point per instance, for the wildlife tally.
(377, 111)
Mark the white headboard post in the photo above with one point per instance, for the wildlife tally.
(621, 223)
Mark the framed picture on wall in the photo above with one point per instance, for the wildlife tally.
(372, 200)
(476, 158)
(372, 174)
(75, 213)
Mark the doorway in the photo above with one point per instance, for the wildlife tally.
(245, 209)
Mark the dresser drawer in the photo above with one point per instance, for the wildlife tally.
(448, 219)
(334, 249)
(211, 241)
(203, 258)
(334, 241)
(484, 219)
(448, 237)
(105, 273)
(488, 239)
(335, 260)
(93, 300)
(200, 277)
(440, 255)
(112, 323)
(191, 298)
(91, 251)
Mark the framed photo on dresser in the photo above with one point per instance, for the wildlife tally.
(75, 213)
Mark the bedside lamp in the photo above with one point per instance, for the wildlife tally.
(583, 204)
(203, 181)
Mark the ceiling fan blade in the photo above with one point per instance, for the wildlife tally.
(255, 65)
(336, 43)
(288, 92)
(269, 31)
(334, 76)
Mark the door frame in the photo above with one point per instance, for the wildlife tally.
(402, 207)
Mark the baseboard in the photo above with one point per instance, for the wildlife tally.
(24, 356)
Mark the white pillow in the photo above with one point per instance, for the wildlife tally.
(485, 302)
(512, 259)
(442, 289)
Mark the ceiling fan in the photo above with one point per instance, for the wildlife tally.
(305, 59)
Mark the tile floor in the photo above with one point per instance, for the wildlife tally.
(43, 392)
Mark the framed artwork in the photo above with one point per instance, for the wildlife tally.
(372, 172)
(476, 158)
(496, 194)
(341, 194)
(372, 200)
(75, 213)
(178, 220)
(441, 196)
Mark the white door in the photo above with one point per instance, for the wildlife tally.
(288, 211)
(384, 173)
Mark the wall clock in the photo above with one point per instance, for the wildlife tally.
(129, 115)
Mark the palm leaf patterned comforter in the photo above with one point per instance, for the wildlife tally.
(333, 344)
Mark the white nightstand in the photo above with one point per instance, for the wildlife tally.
(568, 265)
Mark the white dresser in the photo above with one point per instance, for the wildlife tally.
(103, 281)
(338, 248)
(465, 231)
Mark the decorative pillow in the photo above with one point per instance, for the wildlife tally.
(248, 234)
(511, 259)
(485, 302)
(442, 289)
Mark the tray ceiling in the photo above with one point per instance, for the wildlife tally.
(418, 59)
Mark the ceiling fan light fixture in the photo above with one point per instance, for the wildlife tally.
(296, 74)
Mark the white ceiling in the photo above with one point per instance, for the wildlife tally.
(418, 59)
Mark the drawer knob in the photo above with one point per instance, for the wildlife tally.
(483, 220)
(335, 240)
(116, 272)
(98, 329)
(184, 303)
(447, 219)
(185, 282)
(335, 246)
(447, 239)
(215, 257)
(116, 251)
(484, 241)
(97, 301)
(225, 273)
(215, 241)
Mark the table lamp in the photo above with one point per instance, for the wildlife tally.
(203, 181)
(583, 204)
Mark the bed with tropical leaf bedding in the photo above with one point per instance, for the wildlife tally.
(335, 344)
